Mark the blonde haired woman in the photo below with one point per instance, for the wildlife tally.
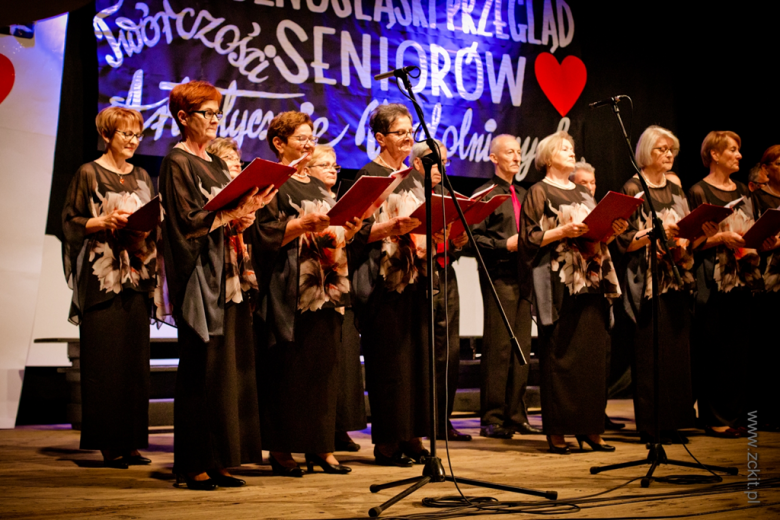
(573, 281)
(113, 274)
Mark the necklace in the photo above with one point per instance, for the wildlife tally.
(120, 174)
(650, 184)
(767, 188)
(381, 161)
(552, 182)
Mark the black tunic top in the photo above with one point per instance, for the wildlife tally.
(101, 265)
(573, 266)
(204, 269)
(394, 259)
(310, 272)
(671, 206)
(770, 260)
(722, 268)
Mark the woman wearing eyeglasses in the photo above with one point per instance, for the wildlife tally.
(226, 148)
(351, 408)
(209, 281)
(727, 275)
(655, 152)
(299, 328)
(390, 307)
(113, 273)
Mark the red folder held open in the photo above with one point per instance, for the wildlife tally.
(478, 212)
(259, 174)
(441, 218)
(612, 207)
(768, 225)
(146, 217)
(360, 197)
(690, 225)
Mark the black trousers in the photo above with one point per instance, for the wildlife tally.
(446, 327)
(504, 379)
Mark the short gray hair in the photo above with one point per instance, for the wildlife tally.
(494, 141)
(383, 117)
(582, 165)
(646, 143)
(422, 149)
(548, 147)
(755, 173)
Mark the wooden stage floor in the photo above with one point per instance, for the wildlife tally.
(43, 474)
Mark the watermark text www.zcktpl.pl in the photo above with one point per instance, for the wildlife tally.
(753, 470)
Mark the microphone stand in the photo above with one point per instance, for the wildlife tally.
(656, 454)
(433, 471)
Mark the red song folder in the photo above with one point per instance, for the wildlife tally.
(477, 213)
(438, 214)
(359, 198)
(612, 207)
(690, 225)
(768, 225)
(259, 174)
(146, 217)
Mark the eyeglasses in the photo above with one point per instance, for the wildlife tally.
(326, 166)
(313, 139)
(403, 134)
(209, 114)
(663, 150)
(130, 135)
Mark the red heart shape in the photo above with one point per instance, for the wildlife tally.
(561, 83)
(7, 76)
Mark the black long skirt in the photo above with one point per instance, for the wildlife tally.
(674, 365)
(216, 414)
(351, 408)
(300, 386)
(394, 337)
(115, 374)
(721, 339)
(572, 361)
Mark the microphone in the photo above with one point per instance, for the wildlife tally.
(397, 73)
(610, 101)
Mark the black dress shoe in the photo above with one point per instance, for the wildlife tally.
(196, 485)
(595, 446)
(398, 459)
(224, 480)
(417, 457)
(611, 425)
(119, 463)
(346, 444)
(526, 429)
(136, 460)
(495, 431)
(327, 467)
(558, 450)
(454, 435)
(284, 471)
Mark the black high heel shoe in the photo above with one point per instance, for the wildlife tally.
(225, 480)
(196, 485)
(119, 463)
(595, 446)
(136, 460)
(327, 467)
(284, 471)
(558, 450)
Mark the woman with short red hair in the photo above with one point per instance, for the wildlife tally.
(216, 417)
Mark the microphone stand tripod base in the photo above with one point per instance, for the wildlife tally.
(655, 456)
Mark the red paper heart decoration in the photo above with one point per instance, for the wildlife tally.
(7, 76)
(561, 83)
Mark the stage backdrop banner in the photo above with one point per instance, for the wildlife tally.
(486, 67)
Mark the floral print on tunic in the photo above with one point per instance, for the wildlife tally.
(402, 256)
(680, 250)
(123, 257)
(323, 275)
(740, 267)
(580, 264)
